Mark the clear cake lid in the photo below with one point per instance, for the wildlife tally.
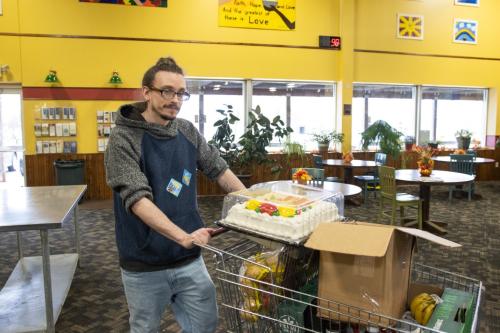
(284, 194)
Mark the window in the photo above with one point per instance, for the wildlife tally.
(394, 104)
(307, 107)
(442, 112)
(207, 96)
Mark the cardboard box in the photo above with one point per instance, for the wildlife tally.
(366, 265)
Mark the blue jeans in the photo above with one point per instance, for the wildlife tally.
(188, 289)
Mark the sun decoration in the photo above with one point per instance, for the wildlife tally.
(301, 176)
(410, 26)
(425, 162)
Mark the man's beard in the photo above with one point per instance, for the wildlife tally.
(168, 117)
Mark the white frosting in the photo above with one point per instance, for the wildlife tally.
(293, 228)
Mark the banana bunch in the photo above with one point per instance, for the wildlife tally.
(422, 307)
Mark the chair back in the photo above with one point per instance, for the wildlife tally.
(463, 163)
(380, 158)
(318, 161)
(387, 176)
(472, 152)
(317, 175)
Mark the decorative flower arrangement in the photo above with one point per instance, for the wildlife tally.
(425, 162)
(347, 157)
(301, 176)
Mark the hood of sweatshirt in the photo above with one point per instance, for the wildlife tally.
(130, 115)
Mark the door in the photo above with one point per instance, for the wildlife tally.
(11, 137)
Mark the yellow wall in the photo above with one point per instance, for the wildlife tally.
(376, 31)
(86, 62)
(363, 24)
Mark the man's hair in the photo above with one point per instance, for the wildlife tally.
(167, 64)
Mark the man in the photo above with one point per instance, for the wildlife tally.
(151, 164)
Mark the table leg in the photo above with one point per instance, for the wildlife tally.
(77, 233)
(19, 244)
(47, 281)
(348, 175)
(433, 226)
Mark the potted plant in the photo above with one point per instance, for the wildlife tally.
(409, 142)
(293, 153)
(433, 144)
(325, 138)
(259, 134)
(251, 147)
(463, 139)
(224, 138)
(383, 135)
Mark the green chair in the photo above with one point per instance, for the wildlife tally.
(318, 163)
(463, 163)
(370, 181)
(393, 200)
(317, 175)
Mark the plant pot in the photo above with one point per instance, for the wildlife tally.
(323, 147)
(463, 143)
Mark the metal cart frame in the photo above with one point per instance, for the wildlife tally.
(234, 289)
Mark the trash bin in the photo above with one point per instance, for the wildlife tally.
(70, 172)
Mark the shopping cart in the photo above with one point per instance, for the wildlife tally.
(267, 305)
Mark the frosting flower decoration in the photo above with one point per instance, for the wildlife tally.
(301, 175)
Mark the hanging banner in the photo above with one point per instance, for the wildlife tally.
(257, 14)
(145, 3)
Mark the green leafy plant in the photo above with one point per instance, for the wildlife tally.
(463, 133)
(259, 133)
(251, 146)
(327, 137)
(224, 138)
(324, 138)
(383, 135)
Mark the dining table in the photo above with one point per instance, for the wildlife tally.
(349, 166)
(438, 177)
(476, 160)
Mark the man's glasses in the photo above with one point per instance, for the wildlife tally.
(169, 93)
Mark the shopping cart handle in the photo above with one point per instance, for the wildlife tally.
(217, 231)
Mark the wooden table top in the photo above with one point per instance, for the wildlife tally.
(40, 207)
(437, 177)
(477, 160)
(352, 164)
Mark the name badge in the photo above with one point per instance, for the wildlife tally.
(186, 177)
(174, 187)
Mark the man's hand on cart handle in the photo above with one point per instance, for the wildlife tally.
(201, 236)
(217, 231)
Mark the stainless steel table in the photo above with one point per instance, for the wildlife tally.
(32, 297)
